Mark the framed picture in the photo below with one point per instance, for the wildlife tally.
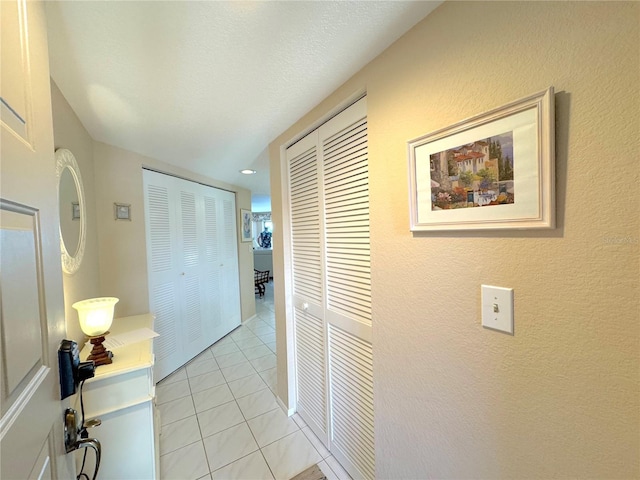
(75, 210)
(122, 211)
(245, 218)
(492, 171)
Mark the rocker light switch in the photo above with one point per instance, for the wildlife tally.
(497, 308)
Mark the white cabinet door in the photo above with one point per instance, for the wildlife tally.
(192, 258)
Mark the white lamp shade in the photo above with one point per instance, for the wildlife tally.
(95, 314)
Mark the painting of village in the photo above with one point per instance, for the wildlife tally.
(477, 174)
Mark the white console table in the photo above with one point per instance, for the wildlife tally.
(122, 396)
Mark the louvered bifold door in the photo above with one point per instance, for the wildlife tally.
(164, 291)
(230, 305)
(191, 274)
(308, 293)
(212, 261)
(348, 289)
(192, 264)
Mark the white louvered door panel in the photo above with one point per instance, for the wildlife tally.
(166, 311)
(346, 196)
(305, 226)
(231, 316)
(351, 370)
(345, 167)
(308, 294)
(311, 369)
(191, 269)
(164, 294)
(212, 260)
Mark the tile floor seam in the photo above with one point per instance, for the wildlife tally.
(182, 446)
(267, 463)
(223, 430)
(287, 435)
(242, 337)
(226, 465)
(243, 396)
(206, 455)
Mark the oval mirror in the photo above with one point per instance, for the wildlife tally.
(72, 211)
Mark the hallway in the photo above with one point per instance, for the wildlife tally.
(220, 418)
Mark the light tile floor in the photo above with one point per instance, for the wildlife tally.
(220, 418)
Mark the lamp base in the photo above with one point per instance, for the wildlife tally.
(99, 354)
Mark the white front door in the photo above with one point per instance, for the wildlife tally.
(31, 300)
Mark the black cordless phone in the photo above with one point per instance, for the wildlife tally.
(72, 370)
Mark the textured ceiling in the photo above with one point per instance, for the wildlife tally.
(207, 85)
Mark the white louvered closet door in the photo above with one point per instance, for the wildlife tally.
(308, 292)
(191, 272)
(331, 260)
(345, 165)
(164, 290)
(212, 261)
(194, 286)
(230, 312)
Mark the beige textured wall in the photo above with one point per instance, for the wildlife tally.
(561, 398)
(69, 133)
(123, 257)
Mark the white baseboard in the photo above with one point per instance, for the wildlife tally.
(249, 319)
(288, 411)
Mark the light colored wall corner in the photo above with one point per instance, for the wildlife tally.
(561, 398)
(69, 133)
(283, 354)
(122, 244)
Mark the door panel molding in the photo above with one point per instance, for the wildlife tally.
(23, 318)
(16, 96)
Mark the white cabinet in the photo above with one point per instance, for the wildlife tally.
(122, 396)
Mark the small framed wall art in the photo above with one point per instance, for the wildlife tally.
(492, 171)
(245, 218)
(122, 211)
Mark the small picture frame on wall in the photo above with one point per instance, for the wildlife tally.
(122, 211)
(245, 222)
(75, 210)
(492, 171)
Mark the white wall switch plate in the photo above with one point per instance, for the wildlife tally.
(497, 308)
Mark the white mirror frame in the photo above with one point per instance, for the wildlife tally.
(65, 159)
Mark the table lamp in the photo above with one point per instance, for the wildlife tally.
(96, 315)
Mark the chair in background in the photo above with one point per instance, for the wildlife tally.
(260, 280)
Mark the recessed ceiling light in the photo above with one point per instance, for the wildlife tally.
(247, 171)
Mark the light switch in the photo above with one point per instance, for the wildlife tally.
(497, 308)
